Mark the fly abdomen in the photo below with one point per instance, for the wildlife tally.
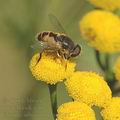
(40, 36)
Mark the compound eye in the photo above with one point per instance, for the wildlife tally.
(76, 51)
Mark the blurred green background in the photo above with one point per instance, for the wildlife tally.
(21, 96)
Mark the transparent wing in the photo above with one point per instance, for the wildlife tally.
(37, 46)
(56, 23)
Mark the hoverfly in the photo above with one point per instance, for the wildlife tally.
(58, 42)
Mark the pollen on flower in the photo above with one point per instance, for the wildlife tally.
(75, 111)
(50, 69)
(100, 29)
(112, 111)
(89, 88)
(106, 4)
(117, 69)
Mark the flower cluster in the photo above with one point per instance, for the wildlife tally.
(75, 111)
(106, 4)
(101, 29)
(88, 87)
(112, 110)
(51, 69)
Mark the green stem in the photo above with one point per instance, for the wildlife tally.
(104, 66)
(107, 67)
(53, 97)
(107, 61)
(97, 54)
(110, 77)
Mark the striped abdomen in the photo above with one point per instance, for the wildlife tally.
(41, 36)
(49, 38)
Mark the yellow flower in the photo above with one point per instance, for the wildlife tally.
(117, 69)
(51, 69)
(75, 111)
(101, 29)
(89, 88)
(112, 111)
(106, 4)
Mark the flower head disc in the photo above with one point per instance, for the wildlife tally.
(89, 88)
(117, 69)
(75, 111)
(112, 111)
(106, 4)
(50, 69)
(100, 29)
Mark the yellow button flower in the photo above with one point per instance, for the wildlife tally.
(51, 69)
(106, 4)
(112, 111)
(117, 69)
(75, 111)
(89, 88)
(101, 29)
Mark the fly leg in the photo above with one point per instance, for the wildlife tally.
(63, 57)
(44, 50)
(65, 62)
(59, 53)
(40, 55)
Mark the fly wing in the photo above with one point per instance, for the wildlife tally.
(56, 23)
(37, 46)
